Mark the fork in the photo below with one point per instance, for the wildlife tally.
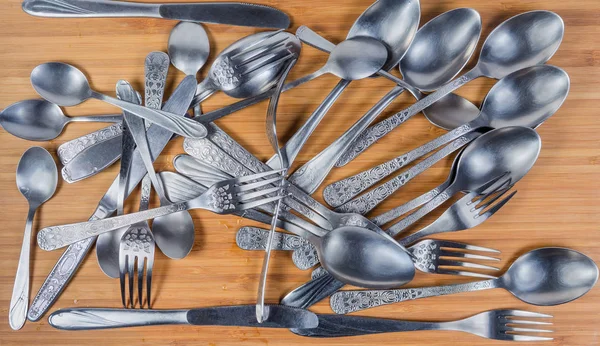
(137, 246)
(506, 325)
(225, 197)
(427, 254)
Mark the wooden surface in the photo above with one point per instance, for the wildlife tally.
(557, 205)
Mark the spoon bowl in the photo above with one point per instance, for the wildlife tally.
(343, 61)
(34, 120)
(173, 234)
(550, 276)
(450, 112)
(37, 176)
(60, 83)
(516, 44)
(188, 47)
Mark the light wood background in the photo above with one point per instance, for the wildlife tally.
(558, 202)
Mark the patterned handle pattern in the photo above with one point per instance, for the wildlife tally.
(55, 237)
(67, 151)
(88, 8)
(350, 301)
(254, 238)
(377, 131)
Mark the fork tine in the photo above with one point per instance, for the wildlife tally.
(445, 262)
(257, 53)
(236, 52)
(515, 337)
(445, 253)
(499, 193)
(275, 61)
(252, 195)
(485, 188)
(457, 245)
(523, 313)
(257, 176)
(140, 276)
(497, 207)
(122, 269)
(511, 321)
(464, 273)
(256, 62)
(130, 266)
(257, 203)
(149, 266)
(527, 330)
(256, 185)
(468, 198)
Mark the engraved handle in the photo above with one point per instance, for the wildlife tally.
(344, 190)
(306, 35)
(55, 237)
(177, 124)
(371, 199)
(20, 294)
(254, 238)
(89, 8)
(310, 176)
(350, 301)
(312, 292)
(295, 144)
(108, 118)
(67, 151)
(95, 318)
(377, 131)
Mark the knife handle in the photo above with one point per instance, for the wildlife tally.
(89, 8)
(93, 318)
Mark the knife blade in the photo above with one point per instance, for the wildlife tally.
(233, 13)
(280, 316)
(70, 260)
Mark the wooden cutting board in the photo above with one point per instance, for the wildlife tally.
(558, 203)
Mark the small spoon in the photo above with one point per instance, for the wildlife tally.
(65, 85)
(37, 177)
(189, 49)
(40, 120)
(546, 276)
(525, 40)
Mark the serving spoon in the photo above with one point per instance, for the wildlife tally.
(545, 276)
(66, 85)
(525, 40)
(40, 120)
(37, 177)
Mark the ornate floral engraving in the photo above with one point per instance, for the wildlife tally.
(67, 151)
(220, 199)
(156, 67)
(138, 239)
(253, 238)
(318, 272)
(305, 257)
(223, 73)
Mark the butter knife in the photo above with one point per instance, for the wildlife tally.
(233, 13)
(70, 260)
(280, 316)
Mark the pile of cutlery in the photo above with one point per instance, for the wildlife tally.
(494, 146)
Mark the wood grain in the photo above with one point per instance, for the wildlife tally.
(558, 203)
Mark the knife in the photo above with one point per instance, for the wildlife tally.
(280, 316)
(233, 13)
(70, 260)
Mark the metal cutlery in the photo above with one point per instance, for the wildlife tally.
(232, 13)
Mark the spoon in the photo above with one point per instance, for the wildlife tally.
(524, 98)
(189, 49)
(509, 151)
(393, 24)
(546, 276)
(249, 66)
(37, 177)
(525, 40)
(40, 120)
(65, 85)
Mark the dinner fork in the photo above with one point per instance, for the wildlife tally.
(429, 255)
(137, 246)
(506, 324)
(225, 197)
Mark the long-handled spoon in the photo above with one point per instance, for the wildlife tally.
(545, 276)
(524, 40)
(65, 85)
(37, 177)
(524, 98)
(40, 120)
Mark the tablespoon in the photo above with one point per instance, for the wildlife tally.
(525, 40)
(65, 85)
(392, 23)
(37, 177)
(545, 276)
(523, 98)
(40, 120)
(188, 49)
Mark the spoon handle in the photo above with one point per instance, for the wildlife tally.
(108, 118)
(295, 144)
(69, 150)
(350, 301)
(379, 130)
(175, 123)
(310, 176)
(203, 91)
(89, 8)
(311, 38)
(254, 238)
(20, 295)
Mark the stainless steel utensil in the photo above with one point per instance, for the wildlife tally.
(37, 177)
(545, 276)
(225, 197)
(525, 40)
(506, 325)
(241, 315)
(65, 85)
(232, 13)
(40, 120)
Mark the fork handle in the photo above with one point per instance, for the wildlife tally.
(55, 237)
(350, 301)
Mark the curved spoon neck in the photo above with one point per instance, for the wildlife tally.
(111, 118)
(204, 90)
(305, 79)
